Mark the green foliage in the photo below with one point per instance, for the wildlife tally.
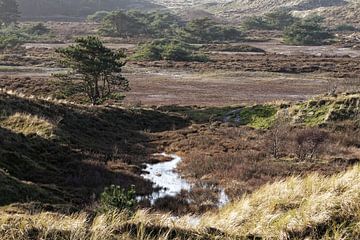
(345, 27)
(12, 36)
(149, 51)
(9, 12)
(167, 50)
(122, 24)
(163, 24)
(280, 19)
(255, 22)
(135, 23)
(97, 67)
(117, 198)
(308, 31)
(277, 20)
(260, 116)
(205, 30)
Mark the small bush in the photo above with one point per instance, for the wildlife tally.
(138, 24)
(167, 50)
(277, 20)
(117, 198)
(280, 19)
(309, 142)
(176, 52)
(12, 37)
(207, 31)
(308, 31)
(255, 22)
(345, 27)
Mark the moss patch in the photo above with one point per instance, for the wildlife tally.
(327, 109)
(198, 114)
(258, 116)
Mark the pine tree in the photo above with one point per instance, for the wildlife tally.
(96, 66)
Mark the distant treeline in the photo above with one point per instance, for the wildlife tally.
(37, 9)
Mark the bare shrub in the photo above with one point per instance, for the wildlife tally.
(308, 142)
(278, 134)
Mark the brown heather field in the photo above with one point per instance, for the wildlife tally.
(262, 126)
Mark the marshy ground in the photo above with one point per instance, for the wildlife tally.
(219, 116)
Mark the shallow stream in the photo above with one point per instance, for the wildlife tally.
(165, 177)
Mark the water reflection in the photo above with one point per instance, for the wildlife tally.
(168, 183)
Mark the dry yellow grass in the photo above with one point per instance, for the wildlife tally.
(314, 207)
(28, 124)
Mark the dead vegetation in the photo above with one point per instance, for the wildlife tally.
(49, 153)
(313, 207)
(289, 177)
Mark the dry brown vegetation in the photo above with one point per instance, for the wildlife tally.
(289, 177)
(228, 79)
(314, 207)
(242, 159)
(49, 152)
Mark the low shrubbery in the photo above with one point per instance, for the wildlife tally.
(277, 20)
(297, 31)
(167, 50)
(13, 36)
(255, 22)
(163, 24)
(308, 31)
(115, 198)
(205, 30)
(138, 24)
(345, 27)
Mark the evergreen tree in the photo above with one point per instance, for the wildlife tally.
(96, 66)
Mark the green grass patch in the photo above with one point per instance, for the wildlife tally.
(259, 116)
(327, 109)
(317, 115)
(198, 114)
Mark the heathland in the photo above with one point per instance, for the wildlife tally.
(262, 112)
